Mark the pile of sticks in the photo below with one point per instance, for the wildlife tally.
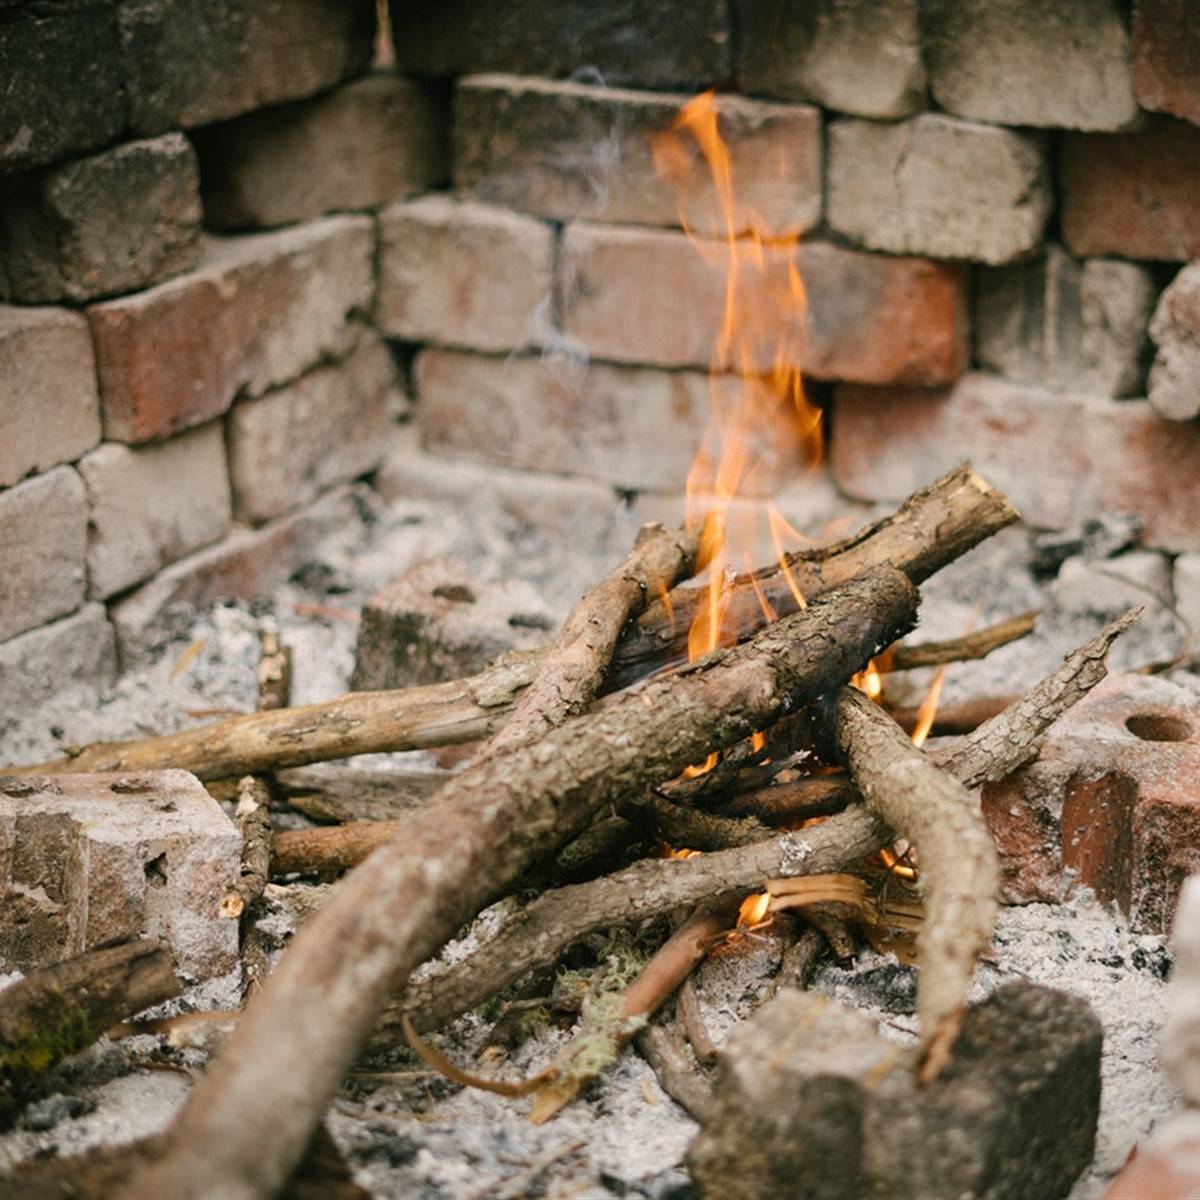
(581, 749)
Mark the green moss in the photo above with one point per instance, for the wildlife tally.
(65, 1030)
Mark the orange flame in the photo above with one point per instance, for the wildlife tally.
(753, 910)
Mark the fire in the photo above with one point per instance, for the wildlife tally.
(753, 910)
(928, 709)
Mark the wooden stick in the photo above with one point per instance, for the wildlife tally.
(688, 828)
(963, 716)
(963, 649)
(677, 1076)
(253, 815)
(330, 849)
(688, 1014)
(334, 792)
(274, 670)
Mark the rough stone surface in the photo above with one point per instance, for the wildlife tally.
(1063, 324)
(1137, 577)
(811, 1102)
(561, 37)
(151, 505)
(464, 274)
(938, 186)
(1111, 802)
(1181, 1032)
(1133, 194)
(1175, 376)
(1061, 458)
(88, 859)
(1065, 64)
(191, 64)
(375, 140)
(43, 542)
(439, 622)
(289, 446)
(855, 56)
(1167, 1165)
(567, 150)
(1186, 582)
(1166, 57)
(869, 318)
(258, 311)
(117, 221)
(49, 407)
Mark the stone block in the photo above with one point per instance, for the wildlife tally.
(1166, 57)
(258, 311)
(43, 544)
(88, 859)
(1066, 64)
(1181, 1030)
(812, 1102)
(1111, 803)
(328, 427)
(1175, 375)
(1132, 195)
(855, 56)
(151, 505)
(1067, 325)
(1061, 458)
(1186, 583)
(1165, 1165)
(49, 405)
(464, 274)
(570, 150)
(370, 142)
(63, 86)
(938, 186)
(1108, 586)
(439, 621)
(641, 43)
(115, 222)
(192, 64)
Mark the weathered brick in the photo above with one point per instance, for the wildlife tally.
(258, 311)
(1180, 1052)
(1065, 324)
(43, 542)
(939, 186)
(93, 858)
(1062, 458)
(49, 406)
(856, 56)
(565, 150)
(193, 63)
(150, 505)
(63, 89)
(1186, 583)
(643, 42)
(1166, 57)
(464, 274)
(869, 318)
(290, 445)
(1133, 194)
(1065, 64)
(1111, 801)
(1165, 1165)
(375, 140)
(1175, 376)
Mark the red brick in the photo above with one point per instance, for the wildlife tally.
(1061, 458)
(1113, 798)
(1166, 57)
(1133, 194)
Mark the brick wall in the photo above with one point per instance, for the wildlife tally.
(236, 253)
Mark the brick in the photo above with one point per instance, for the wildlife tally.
(439, 621)
(938, 186)
(1067, 325)
(49, 405)
(566, 150)
(1165, 1166)
(191, 64)
(642, 42)
(43, 542)
(152, 505)
(327, 427)
(89, 859)
(370, 142)
(1066, 65)
(1110, 802)
(1133, 194)
(1060, 457)
(464, 274)
(258, 311)
(1181, 1030)
(63, 87)
(1186, 584)
(117, 221)
(870, 318)
(855, 56)
(1174, 389)
(1166, 57)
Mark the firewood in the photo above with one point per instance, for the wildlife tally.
(682, 1081)
(329, 849)
(955, 718)
(334, 792)
(253, 816)
(970, 646)
(274, 670)
(689, 1016)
